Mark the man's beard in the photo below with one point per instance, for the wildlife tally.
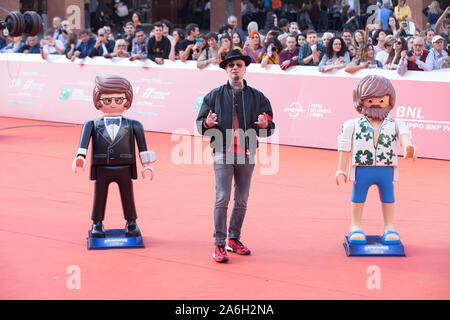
(375, 112)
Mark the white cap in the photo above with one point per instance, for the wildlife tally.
(436, 38)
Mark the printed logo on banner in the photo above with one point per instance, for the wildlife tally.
(294, 109)
(316, 110)
(65, 93)
(414, 119)
(198, 103)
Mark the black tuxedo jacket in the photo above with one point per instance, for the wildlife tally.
(121, 151)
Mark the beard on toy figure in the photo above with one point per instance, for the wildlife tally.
(370, 143)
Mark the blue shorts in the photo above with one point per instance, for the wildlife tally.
(367, 176)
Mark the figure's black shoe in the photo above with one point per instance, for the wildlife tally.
(97, 230)
(131, 229)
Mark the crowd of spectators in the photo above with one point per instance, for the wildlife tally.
(277, 33)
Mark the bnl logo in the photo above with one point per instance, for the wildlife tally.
(409, 112)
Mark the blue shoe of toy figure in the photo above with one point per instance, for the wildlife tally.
(356, 241)
(390, 242)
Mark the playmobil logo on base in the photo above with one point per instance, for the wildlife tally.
(380, 248)
(116, 240)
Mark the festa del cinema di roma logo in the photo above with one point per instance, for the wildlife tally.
(314, 110)
(294, 109)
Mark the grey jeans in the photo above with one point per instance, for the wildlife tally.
(227, 166)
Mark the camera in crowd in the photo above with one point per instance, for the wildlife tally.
(18, 24)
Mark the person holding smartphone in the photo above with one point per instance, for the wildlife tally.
(102, 46)
(414, 59)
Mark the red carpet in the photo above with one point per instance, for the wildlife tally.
(295, 226)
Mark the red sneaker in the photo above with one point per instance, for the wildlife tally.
(220, 254)
(234, 245)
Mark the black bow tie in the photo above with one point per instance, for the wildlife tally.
(115, 121)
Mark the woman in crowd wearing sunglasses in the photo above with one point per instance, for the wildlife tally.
(387, 45)
(395, 54)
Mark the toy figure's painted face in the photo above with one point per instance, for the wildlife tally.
(376, 107)
(381, 102)
(113, 104)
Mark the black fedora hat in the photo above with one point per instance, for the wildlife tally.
(234, 55)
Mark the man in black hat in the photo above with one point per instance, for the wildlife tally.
(233, 115)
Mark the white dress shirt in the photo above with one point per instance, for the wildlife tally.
(112, 129)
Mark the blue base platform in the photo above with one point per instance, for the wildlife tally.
(373, 248)
(114, 239)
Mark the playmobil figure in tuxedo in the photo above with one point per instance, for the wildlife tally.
(370, 141)
(113, 150)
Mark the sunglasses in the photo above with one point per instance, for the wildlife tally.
(107, 101)
(232, 64)
(399, 42)
(388, 45)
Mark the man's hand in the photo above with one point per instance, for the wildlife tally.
(78, 162)
(159, 60)
(98, 43)
(412, 58)
(75, 55)
(316, 55)
(263, 121)
(285, 64)
(190, 47)
(138, 56)
(211, 119)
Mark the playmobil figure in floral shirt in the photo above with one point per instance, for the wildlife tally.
(370, 141)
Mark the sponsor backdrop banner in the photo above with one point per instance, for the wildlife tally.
(309, 107)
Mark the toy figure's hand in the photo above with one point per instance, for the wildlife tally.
(410, 152)
(78, 162)
(340, 173)
(263, 121)
(144, 168)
